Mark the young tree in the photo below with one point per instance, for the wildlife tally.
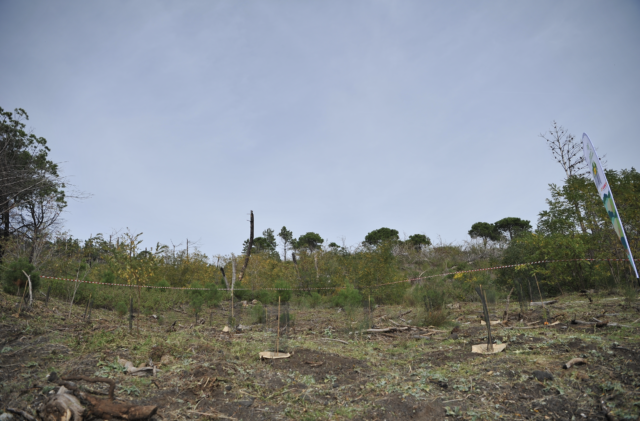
(286, 237)
(381, 235)
(484, 230)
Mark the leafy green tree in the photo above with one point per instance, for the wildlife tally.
(484, 230)
(310, 241)
(265, 244)
(381, 235)
(512, 226)
(31, 190)
(419, 241)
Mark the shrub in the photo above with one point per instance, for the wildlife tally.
(14, 279)
(121, 308)
(285, 295)
(258, 314)
(163, 283)
(108, 277)
(266, 297)
(348, 297)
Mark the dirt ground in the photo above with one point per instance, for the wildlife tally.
(335, 371)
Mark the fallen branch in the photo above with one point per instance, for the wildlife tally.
(574, 361)
(387, 329)
(543, 303)
(335, 340)
(21, 413)
(216, 415)
(596, 324)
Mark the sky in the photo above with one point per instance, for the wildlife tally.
(179, 118)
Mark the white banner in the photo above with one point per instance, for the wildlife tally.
(595, 168)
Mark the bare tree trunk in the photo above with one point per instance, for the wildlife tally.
(246, 259)
(226, 283)
(315, 260)
(30, 289)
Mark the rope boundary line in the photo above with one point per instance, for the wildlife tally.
(325, 288)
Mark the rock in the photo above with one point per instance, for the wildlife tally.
(453, 336)
(7, 417)
(246, 403)
(254, 302)
(542, 375)
(228, 387)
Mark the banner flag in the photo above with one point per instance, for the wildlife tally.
(595, 168)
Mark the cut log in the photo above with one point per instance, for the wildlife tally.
(72, 404)
(574, 361)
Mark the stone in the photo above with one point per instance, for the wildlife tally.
(542, 375)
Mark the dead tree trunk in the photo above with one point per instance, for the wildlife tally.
(246, 259)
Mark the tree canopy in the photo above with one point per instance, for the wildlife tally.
(310, 241)
(512, 226)
(484, 230)
(418, 241)
(381, 235)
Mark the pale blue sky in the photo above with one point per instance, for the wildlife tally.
(327, 116)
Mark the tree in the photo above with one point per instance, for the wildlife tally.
(512, 226)
(484, 230)
(568, 153)
(419, 241)
(381, 235)
(14, 276)
(565, 149)
(29, 181)
(286, 237)
(265, 244)
(310, 241)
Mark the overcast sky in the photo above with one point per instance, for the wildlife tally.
(337, 117)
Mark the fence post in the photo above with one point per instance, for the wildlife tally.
(90, 305)
(130, 314)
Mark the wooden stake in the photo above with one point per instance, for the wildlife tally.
(46, 302)
(130, 313)
(543, 306)
(86, 308)
(278, 340)
(506, 317)
(20, 305)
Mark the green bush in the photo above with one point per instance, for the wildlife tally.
(266, 297)
(121, 308)
(163, 283)
(348, 297)
(14, 279)
(258, 315)
(108, 277)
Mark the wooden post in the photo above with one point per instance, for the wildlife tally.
(544, 309)
(506, 312)
(278, 340)
(22, 300)
(130, 313)
(90, 305)
(46, 301)
(86, 308)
